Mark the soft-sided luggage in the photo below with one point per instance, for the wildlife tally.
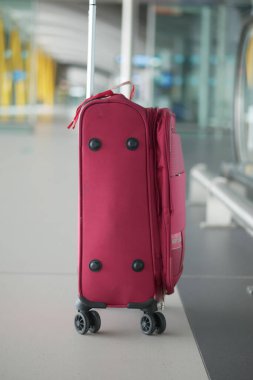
(131, 209)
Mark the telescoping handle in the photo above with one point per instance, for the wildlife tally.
(91, 48)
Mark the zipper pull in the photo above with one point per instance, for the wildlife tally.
(72, 124)
(74, 121)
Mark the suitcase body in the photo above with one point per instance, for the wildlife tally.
(132, 209)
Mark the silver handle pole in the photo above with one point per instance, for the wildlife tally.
(91, 48)
(126, 43)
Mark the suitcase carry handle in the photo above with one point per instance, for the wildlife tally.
(124, 84)
(100, 95)
(110, 92)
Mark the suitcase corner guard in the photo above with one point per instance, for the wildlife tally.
(84, 305)
(150, 306)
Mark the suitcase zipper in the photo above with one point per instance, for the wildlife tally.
(157, 195)
(167, 225)
(152, 121)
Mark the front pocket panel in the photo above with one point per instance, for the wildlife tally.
(177, 196)
(177, 187)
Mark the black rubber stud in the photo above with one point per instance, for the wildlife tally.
(95, 144)
(82, 323)
(138, 265)
(95, 265)
(148, 324)
(95, 321)
(160, 322)
(132, 143)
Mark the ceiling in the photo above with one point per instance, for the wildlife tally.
(61, 27)
(62, 32)
(165, 2)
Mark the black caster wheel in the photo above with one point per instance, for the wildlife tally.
(148, 324)
(95, 321)
(82, 323)
(160, 322)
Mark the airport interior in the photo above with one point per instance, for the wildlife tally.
(194, 57)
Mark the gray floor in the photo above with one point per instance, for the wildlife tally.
(218, 267)
(38, 282)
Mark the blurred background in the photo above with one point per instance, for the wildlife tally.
(183, 56)
(193, 56)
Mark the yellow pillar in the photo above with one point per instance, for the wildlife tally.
(18, 68)
(27, 67)
(2, 60)
(5, 78)
(249, 63)
(45, 78)
(50, 81)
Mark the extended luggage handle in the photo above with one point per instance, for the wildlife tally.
(91, 68)
(100, 95)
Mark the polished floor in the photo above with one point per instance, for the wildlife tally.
(38, 281)
(209, 333)
(218, 269)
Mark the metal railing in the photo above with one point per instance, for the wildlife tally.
(223, 203)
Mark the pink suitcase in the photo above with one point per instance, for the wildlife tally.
(131, 205)
(132, 209)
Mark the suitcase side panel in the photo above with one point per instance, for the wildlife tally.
(171, 178)
(111, 231)
(177, 205)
